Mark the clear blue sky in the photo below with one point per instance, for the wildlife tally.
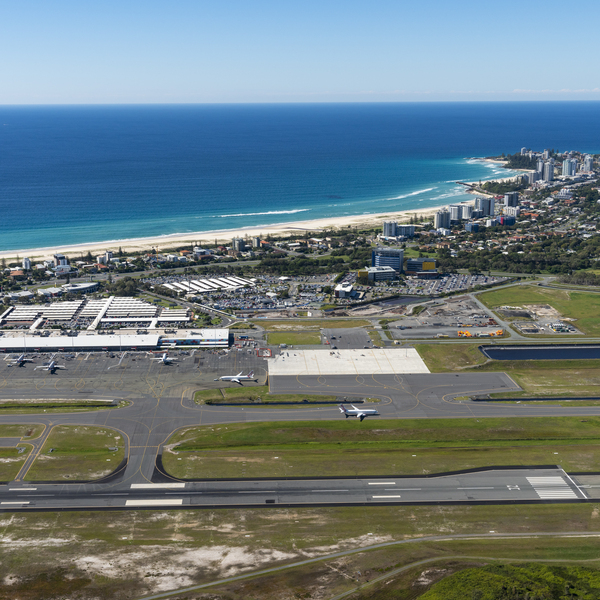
(147, 51)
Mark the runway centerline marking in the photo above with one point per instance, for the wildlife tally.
(379, 497)
(381, 483)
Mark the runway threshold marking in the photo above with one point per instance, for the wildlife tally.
(157, 486)
(157, 502)
(548, 488)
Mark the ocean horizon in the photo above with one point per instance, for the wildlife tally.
(73, 175)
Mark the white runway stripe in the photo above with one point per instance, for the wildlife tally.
(551, 488)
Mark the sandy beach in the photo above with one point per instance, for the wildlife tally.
(162, 243)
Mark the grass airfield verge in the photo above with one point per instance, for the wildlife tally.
(11, 460)
(390, 447)
(294, 338)
(252, 394)
(543, 378)
(77, 453)
(130, 554)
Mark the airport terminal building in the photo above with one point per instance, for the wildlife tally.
(203, 338)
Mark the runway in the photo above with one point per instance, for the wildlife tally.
(160, 401)
(489, 486)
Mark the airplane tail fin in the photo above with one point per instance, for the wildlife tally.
(343, 410)
(251, 374)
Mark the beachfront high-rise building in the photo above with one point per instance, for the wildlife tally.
(533, 177)
(569, 167)
(548, 171)
(588, 163)
(487, 206)
(546, 154)
(540, 167)
(26, 264)
(511, 199)
(405, 230)
(442, 219)
(523, 150)
(388, 257)
(467, 211)
(455, 213)
(389, 228)
(238, 244)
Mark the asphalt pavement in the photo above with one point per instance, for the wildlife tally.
(160, 401)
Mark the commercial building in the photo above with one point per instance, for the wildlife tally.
(472, 227)
(344, 290)
(507, 220)
(532, 177)
(388, 257)
(381, 273)
(414, 265)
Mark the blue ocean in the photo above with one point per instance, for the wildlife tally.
(77, 174)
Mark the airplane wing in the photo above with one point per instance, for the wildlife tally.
(239, 374)
(235, 380)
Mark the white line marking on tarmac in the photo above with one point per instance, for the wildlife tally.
(476, 488)
(14, 502)
(158, 502)
(381, 483)
(157, 486)
(22, 489)
(330, 491)
(259, 492)
(386, 496)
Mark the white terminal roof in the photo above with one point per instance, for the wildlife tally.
(81, 342)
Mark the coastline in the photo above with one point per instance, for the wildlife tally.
(164, 242)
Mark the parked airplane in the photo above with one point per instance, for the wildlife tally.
(360, 413)
(238, 378)
(51, 366)
(19, 361)
(165, 359)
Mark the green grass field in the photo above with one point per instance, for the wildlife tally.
(79, 452)
(537, 377)
(24, 432)
(250, 394)
(583, 306)
(393, 447)
(294, 338)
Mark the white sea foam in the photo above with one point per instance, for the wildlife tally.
(413, 194)
(269, 212)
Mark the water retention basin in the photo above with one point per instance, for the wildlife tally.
(542, 352)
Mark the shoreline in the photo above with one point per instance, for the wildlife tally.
(164, 242)
(169, 241)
